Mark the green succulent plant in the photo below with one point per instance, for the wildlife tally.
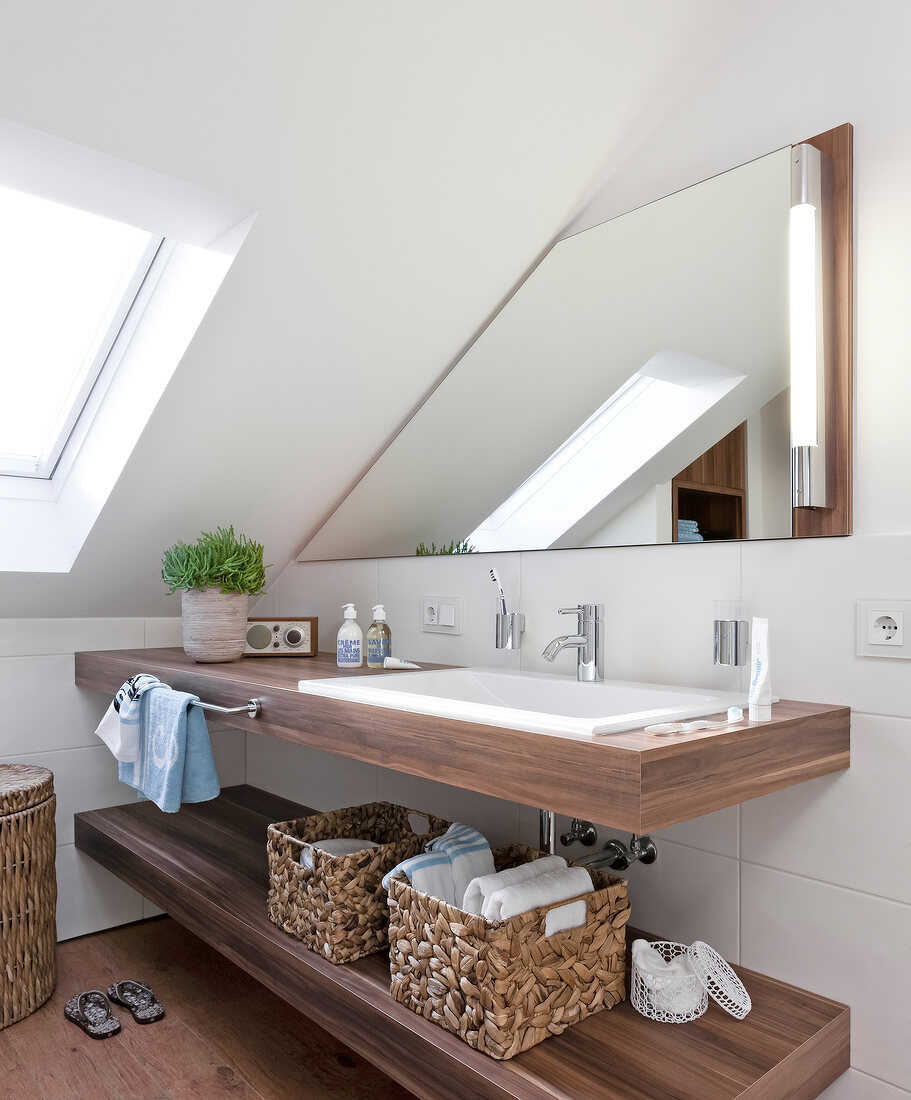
(221, 559)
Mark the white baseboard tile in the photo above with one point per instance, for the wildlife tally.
(89, 898)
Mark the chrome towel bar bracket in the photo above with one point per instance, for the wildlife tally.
(252, 708)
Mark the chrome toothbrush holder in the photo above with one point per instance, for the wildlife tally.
(510, 625)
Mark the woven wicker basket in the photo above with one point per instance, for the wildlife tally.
(503, 986)
(28, 890)
(338, 907)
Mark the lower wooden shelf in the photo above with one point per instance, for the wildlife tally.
(206, 866)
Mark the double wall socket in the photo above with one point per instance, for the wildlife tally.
(881, 628)
(441, 614)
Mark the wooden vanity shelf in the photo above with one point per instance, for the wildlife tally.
(632, 781)
(206, 866)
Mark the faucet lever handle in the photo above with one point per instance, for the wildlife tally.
(577, 610)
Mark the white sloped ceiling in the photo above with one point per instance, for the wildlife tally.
(409, 161)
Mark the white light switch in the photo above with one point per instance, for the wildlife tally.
(441, 614)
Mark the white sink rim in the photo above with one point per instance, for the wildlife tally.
(435, 692)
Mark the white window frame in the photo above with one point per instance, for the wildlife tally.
(104, 363)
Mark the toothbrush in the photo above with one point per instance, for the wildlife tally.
(495, 577)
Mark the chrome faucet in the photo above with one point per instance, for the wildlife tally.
(588, 641)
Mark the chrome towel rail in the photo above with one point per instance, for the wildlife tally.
(252, 708)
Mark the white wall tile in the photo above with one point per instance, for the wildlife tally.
(659, 609)
(860, 1086)
(31, 637)
(840, 943)
(808, 588)
(851, 828)
(717, 832)
(496, 819)
(323, 781)
(163, 632)
(90, 898)
(320, 588)
(42, 707)
(688, 895)
(229, 750)
(84, 779)
(262, 761)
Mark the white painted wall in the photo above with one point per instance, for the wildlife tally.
(50, 722)
(409, 162)
(811, 884)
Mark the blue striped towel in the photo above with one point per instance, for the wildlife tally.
(448, 865)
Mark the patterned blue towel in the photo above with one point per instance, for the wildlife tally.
(175, 758)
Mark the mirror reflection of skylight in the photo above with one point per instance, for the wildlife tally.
(649, 411)
(67, 281)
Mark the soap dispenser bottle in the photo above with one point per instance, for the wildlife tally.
(379, 638)
(349, 645)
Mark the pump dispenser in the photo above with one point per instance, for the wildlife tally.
(349, 645)
(379, 639)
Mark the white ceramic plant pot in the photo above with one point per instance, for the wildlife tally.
(214, 624)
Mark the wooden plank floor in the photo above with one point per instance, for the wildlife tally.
(224, 1035)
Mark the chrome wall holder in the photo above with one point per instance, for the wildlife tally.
(732, 641)
(510, 625)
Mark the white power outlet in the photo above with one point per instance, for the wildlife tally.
(441, 614)
(881, 628)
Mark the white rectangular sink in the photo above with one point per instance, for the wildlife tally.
(526, 701)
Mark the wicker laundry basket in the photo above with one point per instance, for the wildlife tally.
(337, 906)
(503, 986)
(28, 890)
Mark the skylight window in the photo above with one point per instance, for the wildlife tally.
(68, 279)
(651, 410)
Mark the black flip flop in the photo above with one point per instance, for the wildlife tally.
(139, 999)
(91, 1011)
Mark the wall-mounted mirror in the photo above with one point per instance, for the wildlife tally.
(633, 390)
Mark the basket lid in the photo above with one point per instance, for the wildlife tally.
(22, 786)
(719, 979)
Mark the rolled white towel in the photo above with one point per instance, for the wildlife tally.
(541, 890)
(335, 846)
(480, 889)
(672, 985)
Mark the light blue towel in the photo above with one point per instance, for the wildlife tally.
(175, 758)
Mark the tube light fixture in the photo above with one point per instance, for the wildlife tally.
(808, 351)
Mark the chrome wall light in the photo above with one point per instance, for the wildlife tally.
(810, 280)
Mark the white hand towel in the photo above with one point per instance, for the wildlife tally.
(673, 986)
(541, 890)
(469, 854)
(335, 846)
(480, 889)
(119, 727)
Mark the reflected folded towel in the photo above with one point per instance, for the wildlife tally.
(119, 728)
(480, 889)
(175, 762)
(429, 872)
(469, 855)
(544, 889)
(335, 846)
